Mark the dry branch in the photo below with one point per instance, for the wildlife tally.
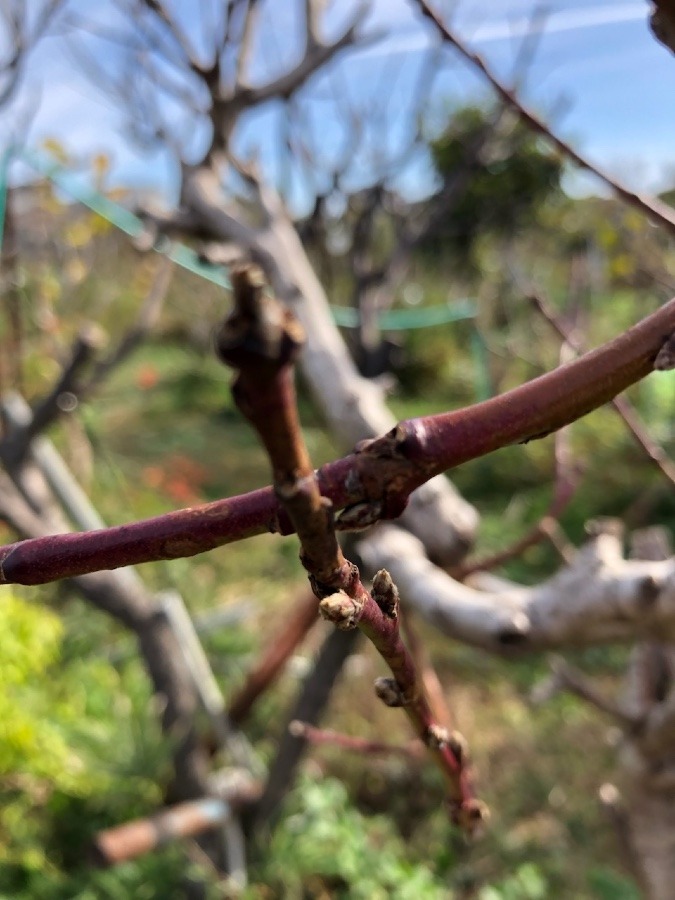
(375, 481)
(273, 659)
(566, 483)
(308, 707)
(327, 737)
(662, 22)
(86, 344)
(133, 839)
(22, 31)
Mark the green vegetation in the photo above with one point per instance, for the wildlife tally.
(512, 173)
(80, 747)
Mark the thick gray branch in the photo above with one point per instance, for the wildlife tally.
(600, 598)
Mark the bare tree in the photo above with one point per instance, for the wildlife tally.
(395, 470)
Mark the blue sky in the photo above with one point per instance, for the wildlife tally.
(600, 76)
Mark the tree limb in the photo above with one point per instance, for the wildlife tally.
(376, 480)
(260, 340)
(599, 598)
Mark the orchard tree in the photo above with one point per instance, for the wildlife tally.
(513, 175)
(194, 89)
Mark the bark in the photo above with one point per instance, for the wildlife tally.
(599, 598)
(261, 340)
(376, 481)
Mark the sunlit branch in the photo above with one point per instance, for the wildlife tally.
(375, 481)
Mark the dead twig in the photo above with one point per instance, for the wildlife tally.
(565, 677)
(330, 738)
(621, 405)
(566, 482)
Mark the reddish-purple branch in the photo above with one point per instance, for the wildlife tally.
(381, 474)
(622, 405)
(261, 341)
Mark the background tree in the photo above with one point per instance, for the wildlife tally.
(511, 179)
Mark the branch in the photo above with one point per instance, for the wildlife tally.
(148, 316)
(566, 483)
(133, 839)
(274, 657)
(662, 22)
(622, 405)
(19, 40)
(308, 707)
(599, 598)
(317, 54)
(650, 206)
(88, 341)
(228, 105)
(178, 35)
(375, 481)
(566, 677)
(260, 340)
(245, 42)
(353, 406)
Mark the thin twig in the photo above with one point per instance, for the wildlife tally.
(430, 680)
(617, 814)
(566, 482)
(148, 316)
(274, 657)
(566, 677)
(650, 206)
(621, 404)
(328, 737)
(261, 340)
(308, 706)
(62, 396)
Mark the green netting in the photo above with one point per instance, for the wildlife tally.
(187, 258)
(406, 319)
(122, 218)
(4, 170)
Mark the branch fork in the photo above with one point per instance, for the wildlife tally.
(261, 341)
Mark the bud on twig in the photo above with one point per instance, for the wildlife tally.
(389, 692)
